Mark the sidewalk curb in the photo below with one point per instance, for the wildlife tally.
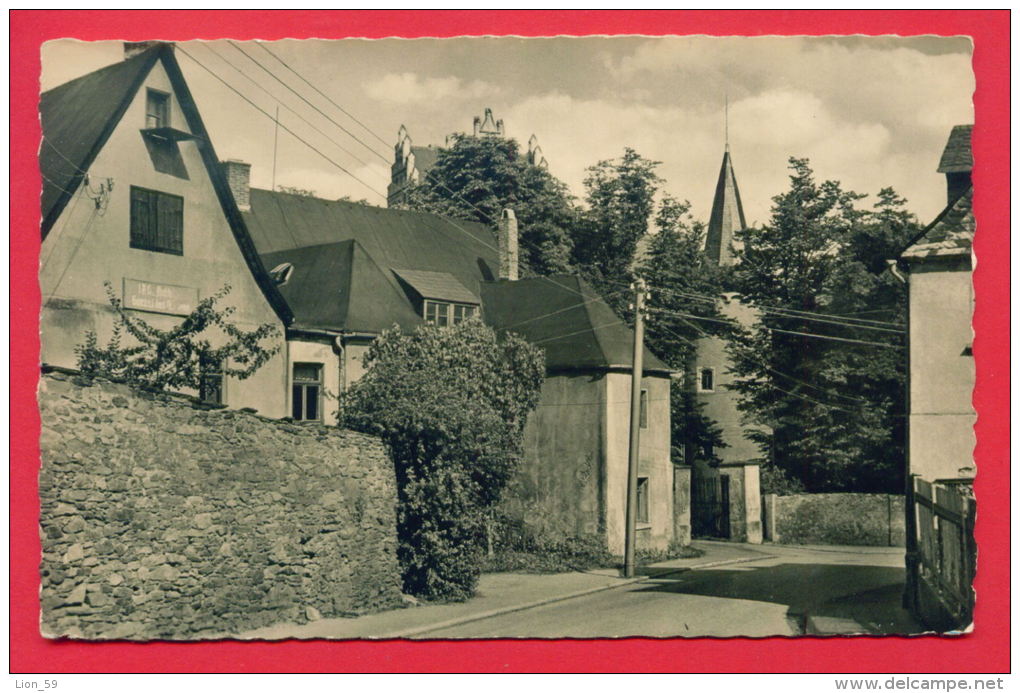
(461, 620)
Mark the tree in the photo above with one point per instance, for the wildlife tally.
(834, 402)
(300, 192)
(619, 194)
(180, 357)
(450, 403)
(477, 177)
(681, 277)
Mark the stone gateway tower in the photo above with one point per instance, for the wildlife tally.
(726, 500)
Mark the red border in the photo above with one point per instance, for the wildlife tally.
(986, 650)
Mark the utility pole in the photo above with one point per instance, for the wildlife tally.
(635, 426)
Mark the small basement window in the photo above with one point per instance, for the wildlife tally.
(281, 273)
(157, 109)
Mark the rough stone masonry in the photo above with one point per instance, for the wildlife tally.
(162, 519)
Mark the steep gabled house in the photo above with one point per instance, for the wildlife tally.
(350, 271)
(940, 512)
(133, 195)
(940, 263)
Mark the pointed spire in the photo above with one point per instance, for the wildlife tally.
(726, 120)
(727, 215)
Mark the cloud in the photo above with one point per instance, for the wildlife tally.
(408, 87)
(576, 133)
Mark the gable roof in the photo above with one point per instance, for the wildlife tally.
(78, 118)
(952, 232)
(564, 316)
(957, 157)
(393, 238)
(337, 286)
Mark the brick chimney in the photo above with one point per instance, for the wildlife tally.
(508, 245)
(238, 175)
(133, 48)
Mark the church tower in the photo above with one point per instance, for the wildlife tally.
(727, 215)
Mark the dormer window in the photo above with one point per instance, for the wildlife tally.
(281, 273)
(443, 313)
(157, 109)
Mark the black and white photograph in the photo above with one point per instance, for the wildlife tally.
(497, 337)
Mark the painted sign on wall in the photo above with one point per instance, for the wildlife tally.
(159, 298)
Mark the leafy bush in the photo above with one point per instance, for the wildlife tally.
(775, 480)
(451, 404)
(179, 357)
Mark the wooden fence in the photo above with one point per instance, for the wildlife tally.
(946, 553)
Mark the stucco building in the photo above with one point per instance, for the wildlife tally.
(940, 264)
(940, 513)
(350, 271)
(133, 195)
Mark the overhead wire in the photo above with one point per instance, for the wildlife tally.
(780, 312)
(263, 46)
(300, 96)
(277, 99)
(268, 115)
(786, 375)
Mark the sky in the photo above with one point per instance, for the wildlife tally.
(871, 112)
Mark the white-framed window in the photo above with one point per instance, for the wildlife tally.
(706, 380)
(306, 393)
(157, 109)
(444, 313)
(644, 409)
(642, 499)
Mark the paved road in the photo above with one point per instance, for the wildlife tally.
(759, 598)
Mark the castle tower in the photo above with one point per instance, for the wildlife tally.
(727, 214)
(487, 125)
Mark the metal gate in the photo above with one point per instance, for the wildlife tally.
(710, 506)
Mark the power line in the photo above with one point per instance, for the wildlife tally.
(317, 109)
(459, 196)
(807, 315)
(561, 310)
(769, 368)
(835, 339)
(74, 253)
(303, 119)
(587, 329)
(266, 114)
(264, 47)
(62, 156)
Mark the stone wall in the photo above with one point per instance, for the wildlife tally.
(162, 519)
(848, 519)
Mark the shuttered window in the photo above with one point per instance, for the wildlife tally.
(157, 221)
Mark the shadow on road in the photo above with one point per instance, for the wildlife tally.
(869, 595)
